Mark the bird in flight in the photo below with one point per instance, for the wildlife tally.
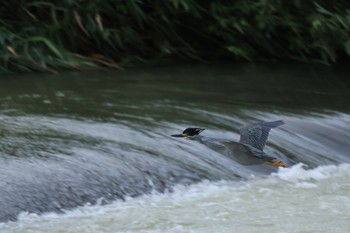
(248, 150)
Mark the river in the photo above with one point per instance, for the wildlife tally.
(92, 151)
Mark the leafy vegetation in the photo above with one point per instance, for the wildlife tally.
(38, 35)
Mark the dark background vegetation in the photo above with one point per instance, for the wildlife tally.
(77, 34)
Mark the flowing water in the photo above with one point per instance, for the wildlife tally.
(91, 152)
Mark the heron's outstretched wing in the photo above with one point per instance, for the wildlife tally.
(256, 134)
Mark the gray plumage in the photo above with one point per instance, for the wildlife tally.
(256, 134)
(249, 149)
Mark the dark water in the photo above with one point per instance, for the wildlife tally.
(77, 138)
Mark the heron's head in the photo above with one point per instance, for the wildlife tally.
(188, 133)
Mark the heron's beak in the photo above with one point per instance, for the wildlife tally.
(276, 164)
(179, 135)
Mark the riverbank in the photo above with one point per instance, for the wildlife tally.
(50, 37)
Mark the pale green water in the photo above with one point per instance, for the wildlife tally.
(72, 139)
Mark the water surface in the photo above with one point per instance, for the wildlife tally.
(84, 152)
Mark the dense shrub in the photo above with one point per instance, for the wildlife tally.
(50, 35)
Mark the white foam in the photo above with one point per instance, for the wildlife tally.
(295, 199)
(299, 172)
(305, 185)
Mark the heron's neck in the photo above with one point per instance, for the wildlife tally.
(196, 138)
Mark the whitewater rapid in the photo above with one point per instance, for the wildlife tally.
(295, 199)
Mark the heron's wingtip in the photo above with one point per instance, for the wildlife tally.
(273, 124)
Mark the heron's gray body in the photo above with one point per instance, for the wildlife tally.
(249, 149)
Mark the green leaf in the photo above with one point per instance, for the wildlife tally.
(238, 52)
(316, 23)
(347, 47)
(322, 10)
(48, 43)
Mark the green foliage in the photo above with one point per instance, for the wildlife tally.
(73, 34)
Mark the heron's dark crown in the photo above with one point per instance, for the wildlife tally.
(192, 131)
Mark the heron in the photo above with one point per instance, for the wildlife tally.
(248, 150)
